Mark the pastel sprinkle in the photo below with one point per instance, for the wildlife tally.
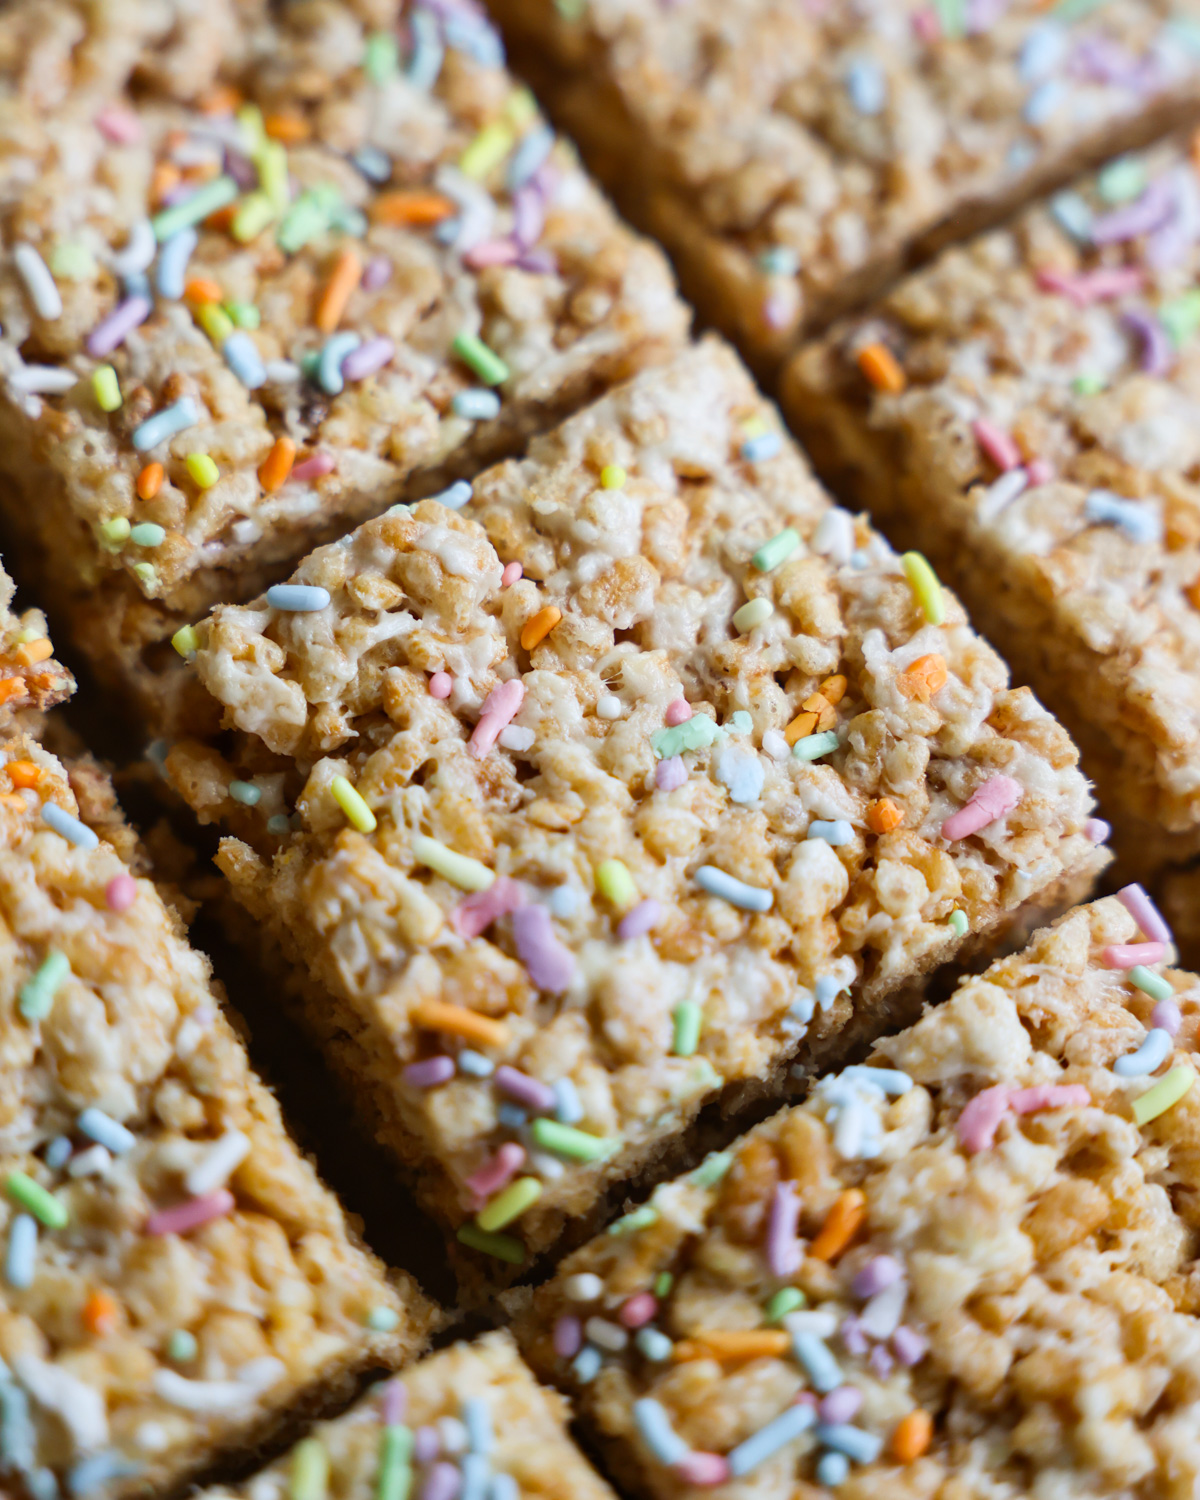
(1048, 1096)
(670, 775)
(768, 1440)
(840, 1405)
(193, 1214)
(368, 358)
(459, 869)
(718, 883)
(688, 1019)
(36, 996)
(476, 406)
(862, 1447)
(38, 282)
(513, 571)
(832, 1469)
(958, 923)
(1166, 1093)
(615, 883)
(837, 832)
(613, 477)
(997, 444)
(678, 711)
(587, 1364)
(105, 1131)
(329, 364)
(761, 447)
(811, 1353)
(106, 388)
(567, 1141)
(1143, 911)
(394, 1480)
(653, 1344)
(639, 920)
(995, 799)
(655, 1430)
(549, 963)
(171, 271)
(429, 1073)
(147, 534)
(498, 1246)
(1129, 955)
(753, 613)
(214, 195)
(509, 1204)
(297, 598)
(358, 814)
(980, 1118)
(165, 424)
(704, 1470)
(1150, 983)
(1166, 1016)
(524, 1088)
(44, 1206)
(500, 707)
(20, 1260)
(120, 893)
(186, 641)
(925, 586)
(814, 746)
(584, 1286)
(242, 357)
(482, 361)
(782, 1247)
(630, 1223)
(245, 792)
(473, 916)
(316, 466)
(1133, 517)
(1151, 1055)
(567, 1337)
(497, 1171)
(781, 546)
(69, 827)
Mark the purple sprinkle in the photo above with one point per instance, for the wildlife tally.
(368, 358)
(1168, 245)
(1149, 212)
(538, 262)
(429, 1073)
(640, 919)
(568, 1337)
(842, 1405)
(876, 1275)
(395, 1403)
(881, 1362)
(670, 775)
(551, 965)
(1097, 830)
(111, 332)
(491, 253)
(1157, 353)
(525, 1090)
(782, 1247)
(378, 273)
(854, 1340)
(443, 1483)
(910, 1346)
(426, 1444)
(545, 180)
(529, 216)
(241, 169)
(178, 194)
(1166, 1016)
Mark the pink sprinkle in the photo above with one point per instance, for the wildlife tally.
(441, 685)
(512, 571)
(1146, 214)
(638, 1310)
(121, 126)
(429, 1073)
(640, 919)
(876, 1276)
(540, 262)
(426, 1444)
(1126, 955)
(1049, 1096)
(909, 1346)
(315, 467)
(500, 707)
(1166, 1017)
(475, 914)
(395, 1403)
(782, 1246)
(121, 892)
(1041, 472)
(529, 217)
(524, 1089)
(980, 1119)
(1097, 830)
(704, 1470)
(842, 1405)
(854, 1340)
(568, 1337)
(997, 444)
(679, 711)
(806, 1398)
(494, 1174)
(881, 1362)
(1092, 286)
(925, 24)
(670, 775)
(551, 965)
(491, 253)
(185, 1217)
(111, 332)
(1144, 912)
(989, 802)
(367, 358)
(378, 273)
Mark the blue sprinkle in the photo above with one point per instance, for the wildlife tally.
(512, 1116)
(769, 1439)
(1138, 522)
(171, 271)
(242, 357)
(828, 989)
(374, 164)
(837, 833)
(867, 86)
(17, 1432)
(474, 1064)
(819, 1365)
(100, 1469)
(426, 61)
(105, 1131)
(862, 1447)
(474, 37)
(1020, 156)
(531, 151)
(1044, 100)
(1043, 49)
(57, 1153)
(586, 1364)
(478, 1420)
(1185, 32)
(504, 1487)
(655, 1430)
(757, 449)
(70, 828)
(245, 792)
(779, 260)
(41, 1484)
(278, 823)
(567, 1108)
(832, 1469)
(297, 598)
(456, 496)
(165, 424)
(21, 1260)
(135, 284)
(736, 892)
(1073, 216)
(476, 1477)
(860, 558)
(329, 364)
(477, 406)
(653, 1345)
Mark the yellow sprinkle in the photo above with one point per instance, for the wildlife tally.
(925, 586)
(509, 1204)
(358, 814)
(459, 869)
(521, 107)
(202, 469)
(487, 150)
(615, 883)
(754, 427)
(107, 388)
(613, 477)
(1169, 1090)
(186, 641)
(215, 321)
(753, 613)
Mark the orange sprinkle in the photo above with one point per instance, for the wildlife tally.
(459, 1020)
(801, 725)
(23, 773)
(149, 481)
(1193, 593)
(32, 652)
(200, 289)
(10, 688)
(11, 799)
(275, 468)
(912, 1436)
(331, 304)
(924, 678)
(833, 689)
(100, 1313)
(880, 366)
(732, 1345)
(222, 220)
(816, 703)
(883, 816)
(411, 206)
(845, 1219)
(164, 177)
(536, 629)
(287, 127)
(221, 100)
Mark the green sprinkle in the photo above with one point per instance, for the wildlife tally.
(481, 360)
(952, 17)
(1075, 10)
(663, 1283)
(308, 217)
(712, 1169)
(459, 869)
(44, 1206)
(147, 573)
(381, 60)
(245, 792)
(202, 469)
(696, 733)
(508, 1204)
(147, 534)
(186, 641)
(1150, 983)
(310, 1470)
(1186, 32)
(1181, 316)
(613, 477)
(254, 213)
(1169, 1090)
(566, 1140)
(182, 1347)
(925, 586)
(499, 1246)
(1087, 385)
(571, 10)
(107, 388)
(777, 550)
(214, 195)
(640, 1218)
(358, 814)
(383, 1319)
(395, 1463)
(72, 261)
(215, 321)
(753, 612)
(243, 314)
(115, 531)
(786, 1300)
(37, 993)
(615, 883)
(487, 150)
(959, 924)
(813, 746)
(688, 1018)
(1121, 180)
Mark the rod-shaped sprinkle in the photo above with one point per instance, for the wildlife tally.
(1168, 1091)
(768, 1440)
(927, 591)
(459, 869)
(509, 1204)
(20, 1259)
(105, 1131)
(736, 892)
(218, 1164)
(993, 800)
(31, 1195)
(782, 1246)
(567, 1141)
(499, 709)
(195, 1213)
(862, 1447)
(654, 1428)
(38, 282)
(1130, 955)
(164, 424)
(814, 1357)
(214, 195)
(69, 827)
(1144, 912)
(1152, 1053)
(499, 1246)
(549, 963)
(348, 798)
(525, 1089)
(1149, 982)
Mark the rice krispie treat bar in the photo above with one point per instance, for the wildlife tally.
(239, 318)
(31, 680)
(792, 157)
(1027, 411)
(470, 1421)
(608, 794)
(175, 1282)
(964, 1268)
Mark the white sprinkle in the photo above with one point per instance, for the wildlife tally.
(96, 1161)
(563, 901)
(41, 286)
(515, 738)
(453, 1434)
(606, 1335)
(821, 1324)
(584, 1286)
(219, 1395)
(152, 1437)
(834, 536)
(775, 745)
(608, 706)
(883, 1313)
(79, 1406)
(218, 1164)
(1002, 493)
(42, 380)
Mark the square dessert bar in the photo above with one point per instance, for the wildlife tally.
(31, 680)
(239, 320)
(1027, 412)
(792, 157)
(612, 792)
(965, 1268)
(470, 1421)
(175, 1282)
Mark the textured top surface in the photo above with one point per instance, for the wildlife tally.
(1026, 1280)
(133, 1347)
(469, 1403)
(395, 140)
(1085, 356)
(30, 678)
(595, 766)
